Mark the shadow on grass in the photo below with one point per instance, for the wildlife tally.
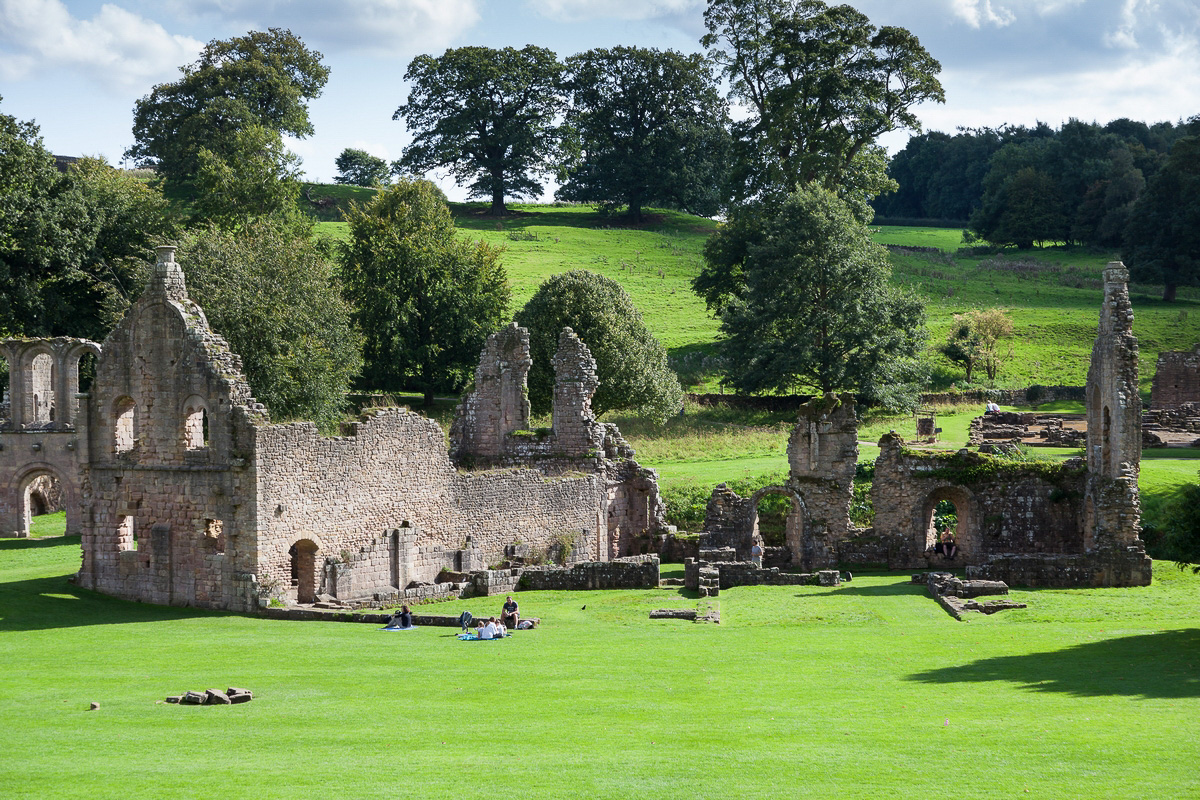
(1160, 665)
(859, 590)
(32, 544)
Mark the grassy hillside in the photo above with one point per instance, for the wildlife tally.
(1053, 294)
(865, 690)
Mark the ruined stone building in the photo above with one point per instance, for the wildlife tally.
(1037, 524)
(1176, 379)
(185, 492)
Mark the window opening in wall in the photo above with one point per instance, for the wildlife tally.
(87, 371)
(5, 400)
(195, 427)
(303, 556)
(126, 536)
(773, 510)
(214, 534)
(1106, 440)
(123, 433)
(41, 385)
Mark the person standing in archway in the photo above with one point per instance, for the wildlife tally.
(756, 554)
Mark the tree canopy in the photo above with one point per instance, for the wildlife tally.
(644, 127)
(487, 115)
(819, 313)
(821, 84)
(360, 168)
(1162, 239)
(276, 298)
(630, 363)
(425, 299)
(261, 79)
(71, 245)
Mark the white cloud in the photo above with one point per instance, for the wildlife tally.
(578, 10)
(976, 14)
(379, 27)
(115, 47)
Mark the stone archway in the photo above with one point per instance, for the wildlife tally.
(795, 529)
(42, 489)
(937, 508)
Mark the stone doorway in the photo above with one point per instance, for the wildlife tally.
(948, 508)
(303, 555)
(42, 494)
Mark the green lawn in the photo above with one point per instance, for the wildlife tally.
(867, 690)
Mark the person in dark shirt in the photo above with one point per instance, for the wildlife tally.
(509, 615)
(402, 619)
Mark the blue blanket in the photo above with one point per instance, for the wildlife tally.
(390, 628)
(473, 637)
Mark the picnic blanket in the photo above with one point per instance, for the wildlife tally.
(473, 637)
(393, 628)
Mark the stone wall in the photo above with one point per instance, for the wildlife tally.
(1002, 506)
(1113, 566)
(189, 495)
(1176, 379)
(638, 572)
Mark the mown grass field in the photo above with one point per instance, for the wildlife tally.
(867, 690)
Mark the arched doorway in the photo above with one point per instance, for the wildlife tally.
(778, 521)
(43, 498)
(948, 509)
(303, 557)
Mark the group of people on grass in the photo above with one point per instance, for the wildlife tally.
(490, 628)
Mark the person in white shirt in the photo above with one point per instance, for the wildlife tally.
(992, 408)
(485, 630)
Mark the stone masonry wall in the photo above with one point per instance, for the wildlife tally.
(1002, 506)
(1176, 379)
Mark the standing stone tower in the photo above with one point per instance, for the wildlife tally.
(1114, 411)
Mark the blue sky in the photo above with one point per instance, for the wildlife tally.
(77, 67)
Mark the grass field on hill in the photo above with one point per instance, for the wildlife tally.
(866, 690)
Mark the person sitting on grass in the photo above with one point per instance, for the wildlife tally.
(510, 615)
(486, 629)
(402, 619)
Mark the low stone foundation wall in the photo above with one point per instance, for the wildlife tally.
(634, 572)
(1102, 568)
(877, 549)
(745, 573)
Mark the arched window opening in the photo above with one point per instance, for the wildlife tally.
(87, 371)
(126, 536)
(779, 522)
(944, 526)
(773, 511)
(195, 427)
(124, 433)
(41, 389)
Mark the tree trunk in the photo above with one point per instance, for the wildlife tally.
(428, 398)
(498, 209)
(1169, 292)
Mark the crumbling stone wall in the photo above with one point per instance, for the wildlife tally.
(43, 438)
(1002, 506)
(1114, 451)
(822, 455)
(1176, 379)
(191, 496)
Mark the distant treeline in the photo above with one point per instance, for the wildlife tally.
(1017, 185)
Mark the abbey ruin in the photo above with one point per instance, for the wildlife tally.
(186, 493)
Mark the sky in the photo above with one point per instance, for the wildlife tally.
(77, 67)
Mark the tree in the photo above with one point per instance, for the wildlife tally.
(819, 313)
(486, 115)
(257, 177)
(1181, 527)
(630, 362)
(821, 84)
(360, 168)
(260, 79)
(1162, 239)
(425, 299)
(71, 245)
(974, 341)
(644, 127)
(276, 298)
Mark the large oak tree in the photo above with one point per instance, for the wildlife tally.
(645, 127)
(486, 115)
(1162, 240)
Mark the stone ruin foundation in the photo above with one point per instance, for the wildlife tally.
(186, 493)
(1033, 524)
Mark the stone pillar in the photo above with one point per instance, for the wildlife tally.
(576, 432)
